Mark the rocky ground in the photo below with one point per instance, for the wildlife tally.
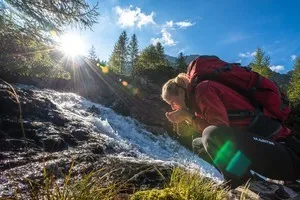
(50, 141)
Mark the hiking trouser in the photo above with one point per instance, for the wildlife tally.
(235, 153)
(198, 149)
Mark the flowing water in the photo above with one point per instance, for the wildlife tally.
(126, 134)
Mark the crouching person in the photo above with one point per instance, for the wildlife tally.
(235, 142)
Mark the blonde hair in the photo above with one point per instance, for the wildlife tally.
(171, 86)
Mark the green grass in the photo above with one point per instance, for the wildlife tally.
(182, 185)
(94, 185)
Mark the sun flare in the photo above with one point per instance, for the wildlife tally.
(72, 45)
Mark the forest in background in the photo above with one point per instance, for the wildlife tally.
(27, 48)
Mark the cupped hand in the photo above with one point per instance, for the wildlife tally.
(177, 116)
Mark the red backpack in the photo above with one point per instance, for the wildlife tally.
(259, 90)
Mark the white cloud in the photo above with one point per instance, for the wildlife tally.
(293, 57)
(247, 54)
(145, 19)
(129, 17)
(238, 61)
(277, 68)
(181, 24)
(184, 24)
(166, 38)
(170, 23)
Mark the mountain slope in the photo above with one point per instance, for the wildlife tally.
(188, 58)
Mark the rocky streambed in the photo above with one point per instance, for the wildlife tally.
(58, 130)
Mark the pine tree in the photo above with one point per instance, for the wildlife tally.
(160, 50)
(261, 63)
(119, 58)
(38, 18)
(133, 50)
(294, 89)
(92, 54)
(114, 60)
(123, 40)
(148, 58)
(151, 58)
(180, 63)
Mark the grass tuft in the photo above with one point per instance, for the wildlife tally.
(10, 89)
(94, 185)
(184, 185)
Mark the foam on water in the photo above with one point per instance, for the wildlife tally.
(126, 134)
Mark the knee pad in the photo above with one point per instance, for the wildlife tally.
(215, 134)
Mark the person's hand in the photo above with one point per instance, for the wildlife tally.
(177, 116)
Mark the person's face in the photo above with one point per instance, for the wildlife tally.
(177, 101)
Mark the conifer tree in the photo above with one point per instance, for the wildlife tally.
(294, 89)
(39, 18)
(180, 63)
(149, 58)
(133, 51)
(114, 59)
(119, 58)
(261, 63)
(123, 40)
(92, 54)
(160, 51)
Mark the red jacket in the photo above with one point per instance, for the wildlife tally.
(211, 102)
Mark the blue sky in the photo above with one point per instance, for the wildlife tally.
(229, 29)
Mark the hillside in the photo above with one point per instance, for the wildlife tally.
(188, 58)
(282, 79)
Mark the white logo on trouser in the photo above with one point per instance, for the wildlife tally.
(263, 141)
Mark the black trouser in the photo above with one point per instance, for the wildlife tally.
(235, 153)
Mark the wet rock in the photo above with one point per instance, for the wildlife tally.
(15, 132)
(8, 106)
(3, 135)
(97, 149)
(16, 144)
(53, 144)
(120, 107)
(13, 129)
(57, 118)
(8, 123)
(94, 110)
(80, 134)
(69, 139)
(59, 167)
(88, 157)
(109, 149)
(30, 133)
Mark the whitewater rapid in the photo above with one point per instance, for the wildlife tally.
(126, 134)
